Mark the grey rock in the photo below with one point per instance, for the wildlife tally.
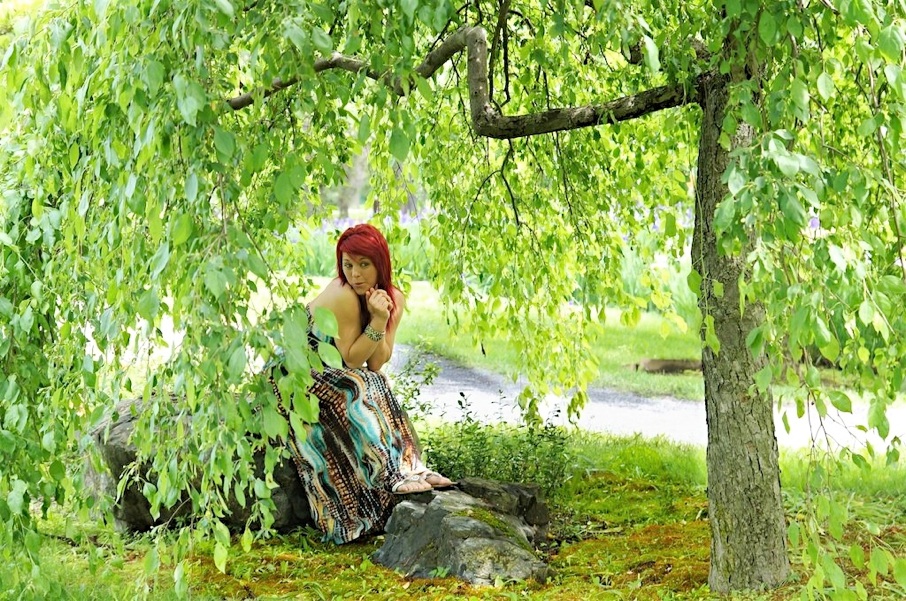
(481, 533)
(132, 511)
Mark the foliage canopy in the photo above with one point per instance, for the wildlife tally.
(136, 201)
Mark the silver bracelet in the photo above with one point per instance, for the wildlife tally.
(373, 334)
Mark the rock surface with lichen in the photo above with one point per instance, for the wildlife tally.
(483, 532)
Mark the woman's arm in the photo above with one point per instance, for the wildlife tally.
(343, 302)
(384, 350)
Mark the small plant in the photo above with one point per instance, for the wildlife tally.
(540, 455)
(440, 572)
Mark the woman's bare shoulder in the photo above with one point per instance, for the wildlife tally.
(336, 296)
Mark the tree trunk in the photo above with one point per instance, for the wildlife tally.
(748, 533)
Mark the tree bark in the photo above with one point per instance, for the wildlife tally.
(487, 120)
(748, 533)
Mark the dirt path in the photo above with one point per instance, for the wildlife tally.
(491, 398)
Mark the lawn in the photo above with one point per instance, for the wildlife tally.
(629, 521)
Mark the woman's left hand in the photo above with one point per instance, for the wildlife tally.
(379, 303)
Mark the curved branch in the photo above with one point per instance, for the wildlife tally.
(486, 120)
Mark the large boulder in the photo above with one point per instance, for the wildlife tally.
(132, 511)
(482, 532)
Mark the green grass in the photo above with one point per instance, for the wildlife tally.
(617, 347)
(629, 521)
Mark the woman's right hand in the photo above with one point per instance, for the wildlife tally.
(379, 303)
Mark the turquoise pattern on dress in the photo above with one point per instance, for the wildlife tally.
(362, 444)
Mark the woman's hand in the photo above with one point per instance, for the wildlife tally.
(379, 303)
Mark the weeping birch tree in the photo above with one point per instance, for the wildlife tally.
(155, 153)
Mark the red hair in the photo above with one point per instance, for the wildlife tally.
(365, 240)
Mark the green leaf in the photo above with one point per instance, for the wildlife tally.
(33, 542)
(652, 58)
(793, 532)
(834, 572)
(326, 321)
(763, 378)
(725, 215)
(890, 43)
(409, 7)
(364, 128)
(15, 500)
(694, 280)
(322, 40)
(283, 188)
(755, 341)
(152, 562)
(246, 540)
(330, 355)
(160, 259)
(225, 143)
(190, 98)
(799, 94)
(878, 561)
(215, 281)
(866, 312)
(399, 144)
(767, 28)
(57, 471)
(787, 163)
(181, 229)
(273, 423)
(892, 285)
(897, 81)
(192, 187)
(307, 407)
(877, 418)
(868, 126)
(899, 571)
(100, 8)
(857, 556)
(736, 179)
(226, 7)
(831, 350)
(236, 364)
(826, 88)
(220, 557)
(670, 225)
(793, 210)
(148, 305)
(823, 335)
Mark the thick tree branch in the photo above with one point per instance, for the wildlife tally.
(487, 120)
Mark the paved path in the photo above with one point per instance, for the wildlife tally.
(490, 397)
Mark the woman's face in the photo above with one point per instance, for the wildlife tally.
(360, 272)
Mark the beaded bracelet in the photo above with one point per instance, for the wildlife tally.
(373, 334)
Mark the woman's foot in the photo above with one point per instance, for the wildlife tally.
(411, 485)
(437, 480)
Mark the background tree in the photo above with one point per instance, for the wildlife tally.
(124, 165)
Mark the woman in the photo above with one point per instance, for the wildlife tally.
(363, 450)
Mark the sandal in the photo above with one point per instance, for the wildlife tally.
(411, 485)
(437, 481)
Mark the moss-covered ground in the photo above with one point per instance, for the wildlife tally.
(629, 522)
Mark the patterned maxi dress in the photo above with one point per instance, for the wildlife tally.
(362, 444)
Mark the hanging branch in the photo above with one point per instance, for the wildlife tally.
(487, 121)
(506, 159)
(499, 30)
